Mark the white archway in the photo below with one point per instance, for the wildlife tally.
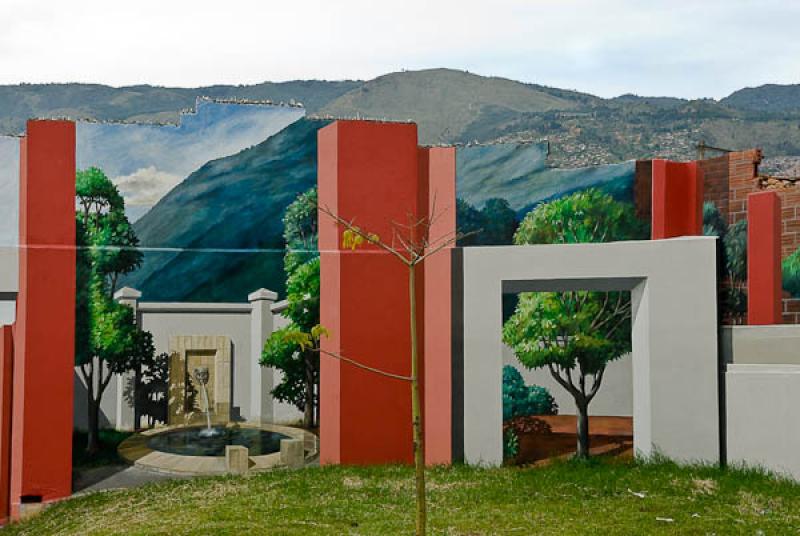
(675, 364)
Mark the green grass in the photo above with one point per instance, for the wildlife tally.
(109, 440)
(564, 498)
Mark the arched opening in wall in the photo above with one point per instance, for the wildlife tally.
(567, 374)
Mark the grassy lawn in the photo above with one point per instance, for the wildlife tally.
(563, 498)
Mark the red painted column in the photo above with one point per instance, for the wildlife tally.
(368, 172)
(44, 335)
(677, 199)
(6, 379)
(438, 165)
(764, 292)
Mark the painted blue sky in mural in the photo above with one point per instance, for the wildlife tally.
(147, 161)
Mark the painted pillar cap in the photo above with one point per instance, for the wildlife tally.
(262, 294)
(127, 293)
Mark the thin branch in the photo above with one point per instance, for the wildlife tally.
(350, 226)
(561, 381)
(438, 248)
(365, 367)
(598, 379)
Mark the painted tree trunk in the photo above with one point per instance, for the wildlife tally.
(582, 407)
(93, 440)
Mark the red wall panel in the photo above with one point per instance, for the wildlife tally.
(677, 199)
(6, 379)
(45, 327)
(764, 292)
(375, 175)
(441, 180)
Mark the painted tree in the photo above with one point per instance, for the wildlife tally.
(300, 366)
(107, 340)
(410, 244)
(574, 334)
(791, 274)
(492, 225)
(732, 261)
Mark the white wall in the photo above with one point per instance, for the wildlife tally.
(166, 320)
(283, 413)
(763, 417)
(9, 283)
(615, 397)
(233, 323)
(674, 335)
(768, 345)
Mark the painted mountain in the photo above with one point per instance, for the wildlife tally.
(519, 174)
(218, 235)
(147, 161)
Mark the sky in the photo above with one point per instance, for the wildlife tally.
(147, 161)
(649, 47)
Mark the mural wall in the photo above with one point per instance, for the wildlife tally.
(9, 191)
(206, 196)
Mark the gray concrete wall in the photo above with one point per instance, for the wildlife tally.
(673, 289)
(9, 283)
(282, 412)
(9, 191)
(763, 417)
(773, 345)
(615, 397)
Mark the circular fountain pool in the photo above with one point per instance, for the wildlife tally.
(191, 451)
(194, 441)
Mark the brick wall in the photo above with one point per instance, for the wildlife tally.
(727, 181)
(715, 182)
(742, 181)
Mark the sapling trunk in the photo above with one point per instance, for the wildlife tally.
(308, 413)
(416, 416)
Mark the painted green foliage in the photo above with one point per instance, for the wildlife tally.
(300, 366)
(791, 274)
(493, 225)
(574, 334)
(107, 340)
(521, 400)
(734, 240)
(732, 261)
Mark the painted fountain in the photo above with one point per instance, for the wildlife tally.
(200, 439)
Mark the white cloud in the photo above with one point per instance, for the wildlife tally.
(698, 48)
(146, 186)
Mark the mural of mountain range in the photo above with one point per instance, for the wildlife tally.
(518, 173)
(455, 106)
(218, 235)
(147, 161)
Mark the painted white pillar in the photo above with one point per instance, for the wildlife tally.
(124, 412)
(261, 378)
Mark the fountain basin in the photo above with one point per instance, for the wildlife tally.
(202, 441)
(181, 450)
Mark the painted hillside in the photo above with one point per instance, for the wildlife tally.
(217, 236)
